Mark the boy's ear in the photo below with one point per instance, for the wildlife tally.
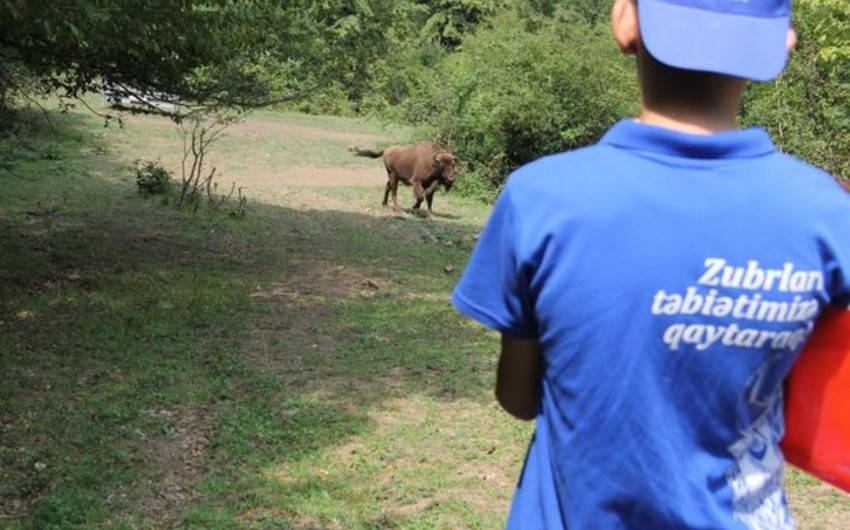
(624, 22)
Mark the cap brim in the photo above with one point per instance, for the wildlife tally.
(747, 47)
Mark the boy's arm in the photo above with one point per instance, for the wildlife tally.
(518, 377)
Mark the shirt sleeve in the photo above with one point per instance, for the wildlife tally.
(838, 272)
(836, 246)
(494, 287)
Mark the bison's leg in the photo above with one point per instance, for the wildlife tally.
(398, 207)
(394, 189)
(428, 195)
(387, 191)
(418, 194)
(424, 193)
(430, 198)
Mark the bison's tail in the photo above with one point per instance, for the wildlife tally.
(366, 152)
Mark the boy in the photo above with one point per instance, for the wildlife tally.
(653, 290)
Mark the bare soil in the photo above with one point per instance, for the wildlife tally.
(259, 173)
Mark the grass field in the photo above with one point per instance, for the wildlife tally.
(296, 368)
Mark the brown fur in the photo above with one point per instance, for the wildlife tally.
(424, 166)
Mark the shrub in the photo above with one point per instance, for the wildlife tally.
(806, 108)
(517, 91)
(152, 178)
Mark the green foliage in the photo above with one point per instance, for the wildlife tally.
(212, 52)
(380, 51)
(519, 91)
(499, 82)
(829, 24)
(151, 177)
(70, 44)
(593, 11)
(402, 80)
(338, 56)
(807, 109)
(546, 77)
(450, 21)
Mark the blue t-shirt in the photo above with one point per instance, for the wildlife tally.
(671, 280)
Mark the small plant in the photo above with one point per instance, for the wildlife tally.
(151, 177)
(198, 178)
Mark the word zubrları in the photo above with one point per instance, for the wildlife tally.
(787, 279)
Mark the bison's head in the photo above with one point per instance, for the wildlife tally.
(445, 163)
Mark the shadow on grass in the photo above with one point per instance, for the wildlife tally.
(156, 364)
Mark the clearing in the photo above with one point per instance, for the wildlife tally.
(298, 368)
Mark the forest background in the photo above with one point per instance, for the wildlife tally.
(500, 82)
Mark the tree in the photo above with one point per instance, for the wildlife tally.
(807, 109)
(211, 52)
(239, 53)
(449, 21)
(380, 50)
(521, 88)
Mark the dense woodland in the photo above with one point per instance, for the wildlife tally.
(499, 81)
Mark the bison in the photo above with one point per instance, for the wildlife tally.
(423, 165)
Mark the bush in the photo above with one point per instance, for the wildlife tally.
(807, 109)
(546, 76)
(152, 178)
(517, 91)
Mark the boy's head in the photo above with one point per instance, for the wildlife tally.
(747, 39)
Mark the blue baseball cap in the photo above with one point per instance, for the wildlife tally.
(741, 38)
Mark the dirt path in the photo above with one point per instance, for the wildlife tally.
(259, 167)
(259, 176)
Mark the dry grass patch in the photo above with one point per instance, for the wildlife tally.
(423, 460)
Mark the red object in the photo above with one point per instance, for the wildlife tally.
(817, 402)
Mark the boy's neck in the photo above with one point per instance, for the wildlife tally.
(687, 101)
(689, 121)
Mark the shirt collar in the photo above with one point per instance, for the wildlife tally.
(636, 136)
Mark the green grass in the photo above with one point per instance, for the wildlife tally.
(163, 368)
(297, 368)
